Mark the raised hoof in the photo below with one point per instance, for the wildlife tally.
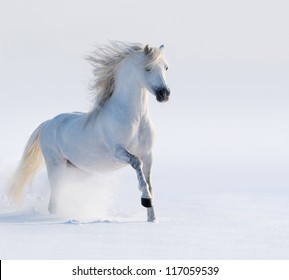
(146, 202)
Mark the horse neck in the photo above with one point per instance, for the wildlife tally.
(129, 92)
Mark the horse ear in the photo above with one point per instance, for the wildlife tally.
(162, 47)
(146, 50)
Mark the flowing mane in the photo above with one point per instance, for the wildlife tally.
(105, 61)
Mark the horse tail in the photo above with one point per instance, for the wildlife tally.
(31, 161)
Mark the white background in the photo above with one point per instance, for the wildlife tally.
(221, 157)
(227, 269)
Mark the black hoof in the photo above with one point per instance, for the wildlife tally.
(146, 202)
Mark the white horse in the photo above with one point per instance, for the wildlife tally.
(117, 131)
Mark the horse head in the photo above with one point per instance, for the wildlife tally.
(154, 70)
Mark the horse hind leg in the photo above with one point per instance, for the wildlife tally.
(55, 171)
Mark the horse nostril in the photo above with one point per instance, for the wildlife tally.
(160, 92)
(163, 92)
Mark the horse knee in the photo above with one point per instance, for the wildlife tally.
(136, 165)
(135, 162)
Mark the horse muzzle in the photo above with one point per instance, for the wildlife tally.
(162, 94)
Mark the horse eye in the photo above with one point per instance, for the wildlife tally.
(148, 69)
(166, 68)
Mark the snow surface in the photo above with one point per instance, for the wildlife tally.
(200, 217)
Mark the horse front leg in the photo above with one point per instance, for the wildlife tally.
(146, 198)
(147, 165)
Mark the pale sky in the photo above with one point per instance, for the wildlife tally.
(229, 66)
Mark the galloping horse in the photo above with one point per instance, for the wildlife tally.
(116, 132)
